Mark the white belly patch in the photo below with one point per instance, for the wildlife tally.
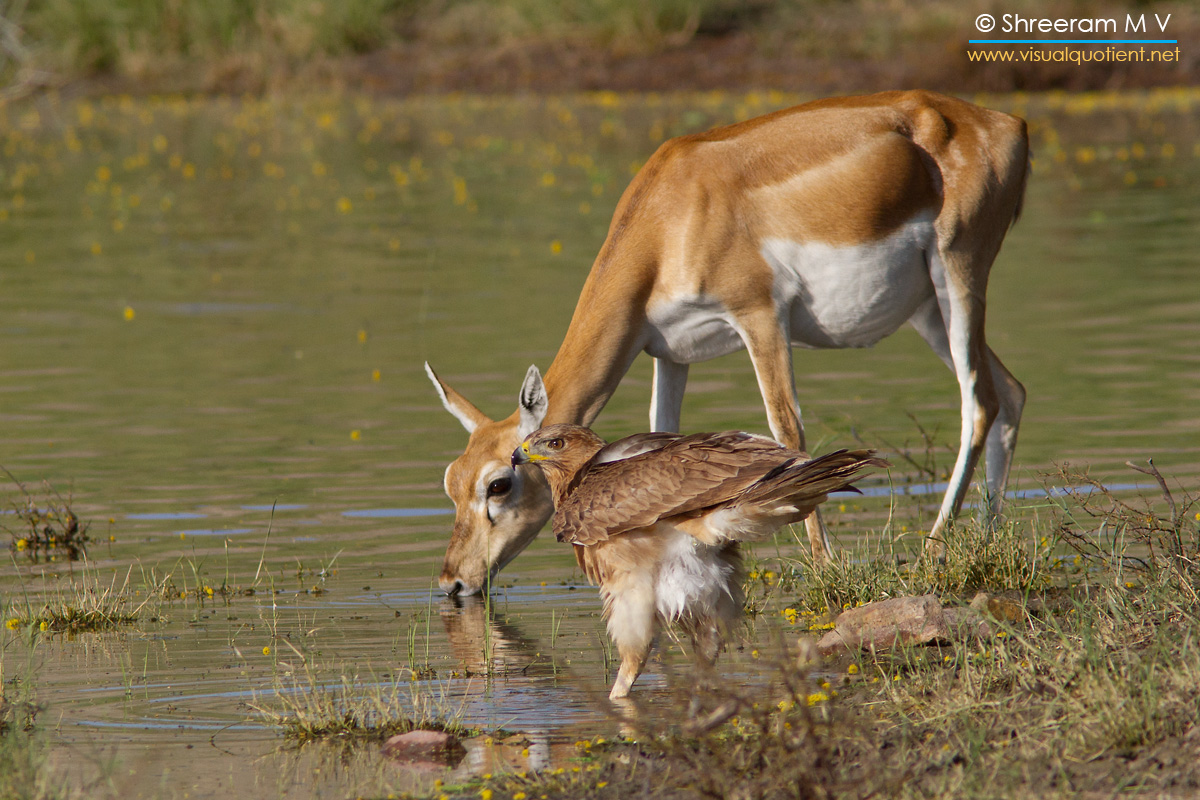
(690, 329)
(830, 296)
(852, 296)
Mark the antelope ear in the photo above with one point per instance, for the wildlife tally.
(462, 408)
(532, 403)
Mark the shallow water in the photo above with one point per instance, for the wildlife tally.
(214, 315)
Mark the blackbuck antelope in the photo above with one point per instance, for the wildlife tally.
(825, 225)
(656, 518)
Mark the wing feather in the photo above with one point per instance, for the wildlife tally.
(680, 476)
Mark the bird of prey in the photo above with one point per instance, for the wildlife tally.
(656, 519)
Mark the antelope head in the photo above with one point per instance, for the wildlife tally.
(498, 508)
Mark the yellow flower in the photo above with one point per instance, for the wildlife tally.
(556, 247)
(129, 313)
(43, 626)
(356, 434)
(852, 669)
(485, 794)
(267, 650)
(12, 624)
(22, 544)
(817, 697)
(376, 375)
(790, 614)
(344, 205)
(208, 591)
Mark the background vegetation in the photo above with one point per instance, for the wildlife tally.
(418, 45)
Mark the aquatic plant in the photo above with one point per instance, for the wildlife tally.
(307, 703)
(46, 528)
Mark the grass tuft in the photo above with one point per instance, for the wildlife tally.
(46, 528)
(307, 706)
(82, 603)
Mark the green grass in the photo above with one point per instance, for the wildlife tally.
(25, 771)
(258, 43)
(310, 704)
(80, 603)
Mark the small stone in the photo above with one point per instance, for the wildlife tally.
(436, 746)
(882, 624)
(902, 620)
(1000, 609)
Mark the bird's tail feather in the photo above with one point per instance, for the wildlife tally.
(801, 482)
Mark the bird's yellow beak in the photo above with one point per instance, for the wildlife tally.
(522, 455)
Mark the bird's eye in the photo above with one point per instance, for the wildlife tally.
(499, 486)
(555, 444)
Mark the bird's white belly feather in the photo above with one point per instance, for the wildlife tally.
(691, 577)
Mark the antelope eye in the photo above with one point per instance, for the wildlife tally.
(555, 444)
(499, 486)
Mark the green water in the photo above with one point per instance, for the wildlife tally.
(209, 308)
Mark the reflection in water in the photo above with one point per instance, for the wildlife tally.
(484, 643)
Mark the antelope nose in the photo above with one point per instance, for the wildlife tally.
(452, 589)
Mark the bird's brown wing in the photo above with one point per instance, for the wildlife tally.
(786, 494)
(682, 476)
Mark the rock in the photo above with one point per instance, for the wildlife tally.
(885, 623)
(965, 623)
(1000, 609)
(901, 620)
(437, 746)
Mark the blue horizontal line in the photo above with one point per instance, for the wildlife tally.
(1073, 41)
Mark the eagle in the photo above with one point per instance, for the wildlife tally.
(656, 520)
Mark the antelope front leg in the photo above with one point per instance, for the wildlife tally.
(772, 358)
(666, 397)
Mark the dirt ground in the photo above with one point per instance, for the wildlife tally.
(732, 62)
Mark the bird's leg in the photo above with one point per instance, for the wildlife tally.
(629, 603)
(632, 662)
